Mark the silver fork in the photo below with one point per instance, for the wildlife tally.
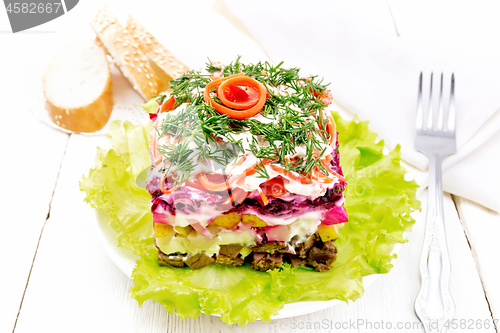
(436, 138)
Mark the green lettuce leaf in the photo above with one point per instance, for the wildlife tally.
(151, 106)
(110, 186)
(378, 202)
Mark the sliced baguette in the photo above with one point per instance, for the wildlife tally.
(77, 87)
(126, 53)
(166, 65)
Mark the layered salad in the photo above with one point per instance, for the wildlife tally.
(245, 169)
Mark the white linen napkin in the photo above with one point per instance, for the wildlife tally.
(375, 75)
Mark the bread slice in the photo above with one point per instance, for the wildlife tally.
(166, 65)
(77, 87)
(126, 53)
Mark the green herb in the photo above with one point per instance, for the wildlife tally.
(160, 98)
(211, 68)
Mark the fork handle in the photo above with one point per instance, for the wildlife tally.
(434, 304)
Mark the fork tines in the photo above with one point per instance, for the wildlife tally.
(426, 121)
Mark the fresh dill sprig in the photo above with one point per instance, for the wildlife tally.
(211, 68)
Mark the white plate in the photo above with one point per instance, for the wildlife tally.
(125, 260)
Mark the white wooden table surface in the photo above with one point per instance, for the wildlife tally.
(55, 276)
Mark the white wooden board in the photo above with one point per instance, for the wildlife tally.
(75, 287)
(482, 227)
(31, 157)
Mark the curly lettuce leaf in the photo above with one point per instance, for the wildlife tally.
(378, 202)
(110, 186)
(151, 106)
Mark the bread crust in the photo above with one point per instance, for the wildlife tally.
(89, 118)
(167, 66)
(126, 53)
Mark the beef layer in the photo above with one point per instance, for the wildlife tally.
(266, 255)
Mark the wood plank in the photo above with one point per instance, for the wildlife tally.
(482, 227)
(32, 153)
(25, 215)
(75, 286)
(31, 156)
